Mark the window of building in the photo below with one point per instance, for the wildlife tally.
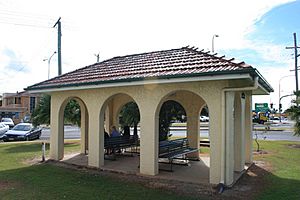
(32, 104)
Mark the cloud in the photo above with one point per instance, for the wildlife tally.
(116, 28)
(13, 62)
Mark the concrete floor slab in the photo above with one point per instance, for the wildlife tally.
(193, 172)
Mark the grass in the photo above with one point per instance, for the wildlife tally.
(284, 181)
(20, 180)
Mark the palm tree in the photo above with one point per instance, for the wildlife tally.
(294, 112)
(41, 115)
(130, 116)
(170, 111)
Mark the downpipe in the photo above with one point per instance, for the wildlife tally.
(222, 185)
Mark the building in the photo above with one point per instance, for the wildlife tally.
(18, 105)
(190, 77)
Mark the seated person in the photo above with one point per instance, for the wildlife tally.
(114, 132)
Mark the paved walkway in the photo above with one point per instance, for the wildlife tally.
(193, 172)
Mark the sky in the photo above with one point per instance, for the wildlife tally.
(255, 31)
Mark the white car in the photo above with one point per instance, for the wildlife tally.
(204, 118)
(8, 121)
(3, 129)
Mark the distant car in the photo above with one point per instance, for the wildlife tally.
(23, 131)
(8, 121)
(204, 118)
(3, 129)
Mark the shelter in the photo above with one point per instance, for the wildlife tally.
(188, 76)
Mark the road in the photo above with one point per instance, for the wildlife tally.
(277, 132)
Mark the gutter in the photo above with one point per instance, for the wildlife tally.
(223, 105)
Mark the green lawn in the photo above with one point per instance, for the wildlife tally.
(284, 181)
(20, 180)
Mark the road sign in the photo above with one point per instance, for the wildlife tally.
(261, 107)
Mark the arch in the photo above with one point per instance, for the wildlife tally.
(193, 103)
(109, 112)
(83, 119)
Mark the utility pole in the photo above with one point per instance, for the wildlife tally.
(98, 57)
(58, 23)
(295, 47)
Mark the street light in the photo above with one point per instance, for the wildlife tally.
(279, 107)
(212, 43)
(49, 60)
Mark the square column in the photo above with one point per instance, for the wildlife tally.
(148, 142)
(193, 133)
(239, 133)
(57, 129)
(84, 131)
(248, 128)
(109, 117)
(96, 140)
(229, 137)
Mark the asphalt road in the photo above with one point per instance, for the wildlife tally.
(277, 132)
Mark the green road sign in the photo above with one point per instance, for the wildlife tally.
(261, 107)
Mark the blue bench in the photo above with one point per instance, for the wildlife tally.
(175, 149)
(121, 142)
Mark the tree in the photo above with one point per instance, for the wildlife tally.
(170, 111)
(41, 115)
(294, 112)
(72, 113)
(130, 116)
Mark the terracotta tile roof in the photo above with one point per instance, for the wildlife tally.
(174, 63)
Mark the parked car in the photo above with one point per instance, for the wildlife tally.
(3, 129)
(23, 131)
(8, 121)
(204, 118)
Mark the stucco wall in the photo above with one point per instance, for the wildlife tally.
(149, 98)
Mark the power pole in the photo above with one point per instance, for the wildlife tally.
(295, 47)
(98, 57)
(58, 23)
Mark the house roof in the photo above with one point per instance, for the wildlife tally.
(185, 62)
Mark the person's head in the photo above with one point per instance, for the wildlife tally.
(113, 128)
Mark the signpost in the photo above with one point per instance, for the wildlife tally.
(261, 107)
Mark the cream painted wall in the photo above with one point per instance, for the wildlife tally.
(149, 99)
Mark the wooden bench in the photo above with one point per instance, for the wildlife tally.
(120, 143)
(175, 149)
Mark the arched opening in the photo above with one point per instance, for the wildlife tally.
(74, 125)
(172, 117)
(129, 118)
(120, 114)
(186, 160)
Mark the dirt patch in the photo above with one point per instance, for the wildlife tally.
(260, 152)
(294, 146)
(251, 184)
(8, 185)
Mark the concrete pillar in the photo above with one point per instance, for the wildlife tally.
(148, 141)
(215, 130)
(248, 128)
(229, 137)
(96, 138)
(109, 118)
(193, 132)
(239, 133)
(84, 130)
(57, 129)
